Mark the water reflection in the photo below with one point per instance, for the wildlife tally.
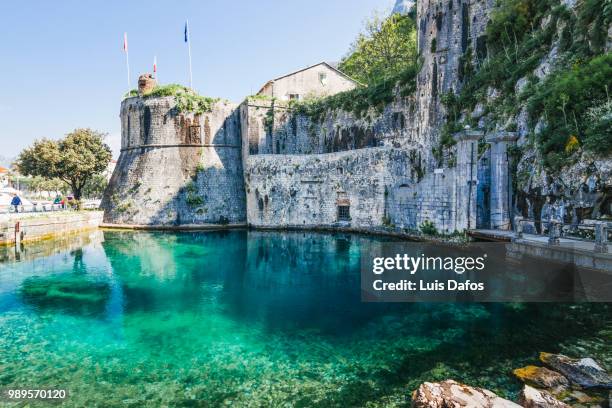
(49, 247)
(222, 315)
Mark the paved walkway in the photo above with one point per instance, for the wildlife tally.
(507, 236)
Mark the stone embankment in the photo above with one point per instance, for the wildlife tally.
(18, 228)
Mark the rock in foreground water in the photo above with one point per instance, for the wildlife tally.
(585, 372)
(533, 398)
(451, 394)
(540, 377)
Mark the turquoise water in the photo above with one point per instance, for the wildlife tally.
(254, 319)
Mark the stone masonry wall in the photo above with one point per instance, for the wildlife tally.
(274, 128)
(40, 226)
(176, 168)
(306, 190)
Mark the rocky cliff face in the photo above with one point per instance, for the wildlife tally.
(547, 80)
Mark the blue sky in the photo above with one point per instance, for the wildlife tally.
(62, 65)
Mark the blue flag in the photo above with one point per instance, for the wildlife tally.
(186, 33)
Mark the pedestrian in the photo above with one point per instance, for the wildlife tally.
(16, 202)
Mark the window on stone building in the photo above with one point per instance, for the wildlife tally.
(294, 97)
(344, 213)
(323, 78)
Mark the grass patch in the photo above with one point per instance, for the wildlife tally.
(187, 100)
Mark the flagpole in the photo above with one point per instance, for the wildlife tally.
(155, 68)
(127, 60)
(187, 38)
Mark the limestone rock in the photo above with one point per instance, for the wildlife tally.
(540, 377)
(478, 110)
(522, 125)
(533, 398)
(584, 372)
(451, 394)
(583, 398)
(548, 63)
(492, 94)
(521, 84)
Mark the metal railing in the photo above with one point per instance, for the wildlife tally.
(555, 230)
(35, 208)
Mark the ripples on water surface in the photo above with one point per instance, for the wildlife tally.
(253, 319)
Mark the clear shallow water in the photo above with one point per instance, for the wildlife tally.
(254, 319)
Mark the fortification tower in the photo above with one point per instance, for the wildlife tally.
(176, 167)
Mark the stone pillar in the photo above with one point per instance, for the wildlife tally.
(518, 224)
(554, 232)
(501, 181)
(601, 237)
(466, 178)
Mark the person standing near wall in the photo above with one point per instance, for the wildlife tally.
(16, 202)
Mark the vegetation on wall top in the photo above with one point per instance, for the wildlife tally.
(187, 100)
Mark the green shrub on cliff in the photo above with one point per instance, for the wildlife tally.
(360, 100)
(519, 37)
(568, 100)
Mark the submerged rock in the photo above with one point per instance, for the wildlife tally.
(533, 398)
(584, 372)
(540, 377)
(71, 293)
(451, 394)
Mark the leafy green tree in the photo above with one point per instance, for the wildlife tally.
(77, 158)
(385, 48)
(95, 186)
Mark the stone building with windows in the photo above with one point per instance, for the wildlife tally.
(318, 80)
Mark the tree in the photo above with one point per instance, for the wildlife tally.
(386, 48)
(95, 186)
(77, 158)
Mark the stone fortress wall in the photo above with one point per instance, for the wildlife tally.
(299, 171)
(264, 164)
(176, 168)
(292, 162)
